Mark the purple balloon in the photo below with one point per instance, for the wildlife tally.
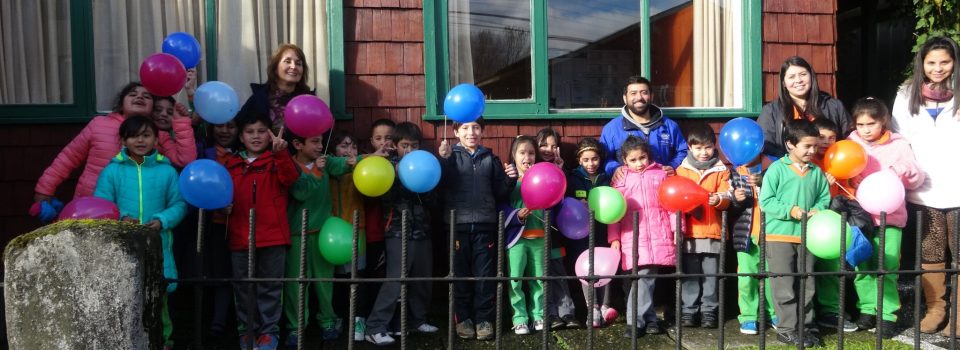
(90, 208)
(307, 116)
(573, 220)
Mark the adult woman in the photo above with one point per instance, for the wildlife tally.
(96, 144)
(287, 75)
(798, 96)
(925, 112)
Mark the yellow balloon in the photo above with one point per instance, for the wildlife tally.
(373, 176)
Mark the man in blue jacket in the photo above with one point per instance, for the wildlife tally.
(639, 117)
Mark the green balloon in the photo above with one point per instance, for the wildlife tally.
(336, 241)
(607, 204)
(823, 235)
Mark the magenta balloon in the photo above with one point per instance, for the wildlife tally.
(543, 186)
(573, 220)
(308, 116)
(881, 191)
(162, 74)
(606, 261)
(90, 208)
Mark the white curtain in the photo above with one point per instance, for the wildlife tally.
(126, 32)
(248, 32)
(716, 49)
(35, 52)
(458, 32)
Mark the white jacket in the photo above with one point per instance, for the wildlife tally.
(934, 142)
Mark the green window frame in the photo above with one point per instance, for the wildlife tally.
(436, 69)
(83, 106)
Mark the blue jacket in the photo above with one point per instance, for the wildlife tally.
(143, 191)
(668, 146)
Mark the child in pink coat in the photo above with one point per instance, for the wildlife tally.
(641, 177)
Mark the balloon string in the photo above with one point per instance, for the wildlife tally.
(330, 136)
(444, 128)
(542, 220)
(846, 191)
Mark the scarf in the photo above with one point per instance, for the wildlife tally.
(934, 92)
(703, 165)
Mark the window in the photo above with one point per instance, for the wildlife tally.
(65, 60)
(568, 58)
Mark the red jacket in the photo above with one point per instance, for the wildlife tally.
(274, 174)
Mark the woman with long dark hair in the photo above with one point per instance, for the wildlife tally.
(287, 76)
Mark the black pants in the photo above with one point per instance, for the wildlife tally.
(475, 246)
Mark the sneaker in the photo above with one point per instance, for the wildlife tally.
(268, 342)
(556, 322)
(570, 322)
(867, 321)
(688, 320)
(359, 328)
(810, 339)
(609, 314)
(292, 339)
(749, 327)
(597, 318)
(427, 328)
(331, 333)
(538, 325)
(888, 329)
(774, 322)
(708, 320)
(466, 330)
(380, 339)
(485, 331)
(521, 329)
(653, 328)
(830, 321)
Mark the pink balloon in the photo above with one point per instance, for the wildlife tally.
(163, 74)
(881, 191)
(90, 208)
(543, 186)
(606, 259)
(308, 116)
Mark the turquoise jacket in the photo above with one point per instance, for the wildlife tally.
(143, 191)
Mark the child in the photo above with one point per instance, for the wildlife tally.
(885, 150)
(381, 143)
(744, 181)
(157, 206)
(641, 176)
(701, 238)
(793, 187)
(176, 141)
(560, 308)
(311, 191)
(579, 183)
(473, 180)
(828, 137)
(262, 174)
(398, 199)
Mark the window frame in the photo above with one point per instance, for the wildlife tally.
(436, 69)
(83, 107)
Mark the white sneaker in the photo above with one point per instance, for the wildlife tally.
(380, 339)
(538, 325)
(359, 328)
(427, 328)
(521, 329)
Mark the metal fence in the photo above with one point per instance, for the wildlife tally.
(845, 272)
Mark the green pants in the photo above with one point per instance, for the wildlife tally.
(165, 321)
(317, 267)
(748, 287)
(526, 256)
(866, 285)
(828, 287)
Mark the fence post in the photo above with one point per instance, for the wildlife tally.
(918, 264)
(404, 241)
(354, 248)
(302, 285)
(802, 268)
(678, 303)
(499, 297)
(198, 288)
(721, 269)
(451, 320)
(762, 285)
(546, 283)
(591, 290)
(634, 284)
(843, 280)
(251, 267)
(881, 259)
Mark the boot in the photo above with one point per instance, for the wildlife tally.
(946, 330)
(934, 288)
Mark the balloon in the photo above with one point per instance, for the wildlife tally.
(741, 140)
(543, 186)
(680, 193)
(183, 46)
(308, 116)
(464, 103)
(607, 203)
(573, 220)
(206, 184)
(419, 171)
(823, 234)
(845, 159)
(162, 74)
(336, 241)
(606, 262)
(216, 102)
(881, 191)
(373, 176)
(90, 208)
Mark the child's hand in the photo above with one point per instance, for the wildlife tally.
(713, 200)
(385, 150)
(615, 245)
(556, 156)
(352, 160)
(510, 170)
(669, 170)
(523, 213)
(279, 144)
(321, 162)
(796, 213)
(227, 209)
(740, 194)
(181, 111)
(831, 179)
(617, 175)
(154, 225)
(445, 149)
(130, 220)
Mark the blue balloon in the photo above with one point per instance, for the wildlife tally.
(741, 140)
(184, 46)
(419, 171)
(206, 184)
(464, 103)
(216, 102)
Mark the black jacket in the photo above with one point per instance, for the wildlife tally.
(260, 100)
(398, 199)
(473, 184)
(772, 123)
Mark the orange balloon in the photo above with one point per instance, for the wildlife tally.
(845, 159)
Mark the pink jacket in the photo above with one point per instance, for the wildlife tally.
(656, 239)
(180, 148)
(96, 144)
(894, 152)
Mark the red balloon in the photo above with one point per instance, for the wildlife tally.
(163, 74)
(90, 208)
(543, 186)
(680, 193)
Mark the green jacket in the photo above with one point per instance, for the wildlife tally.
(313, 192)
(785, 187)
